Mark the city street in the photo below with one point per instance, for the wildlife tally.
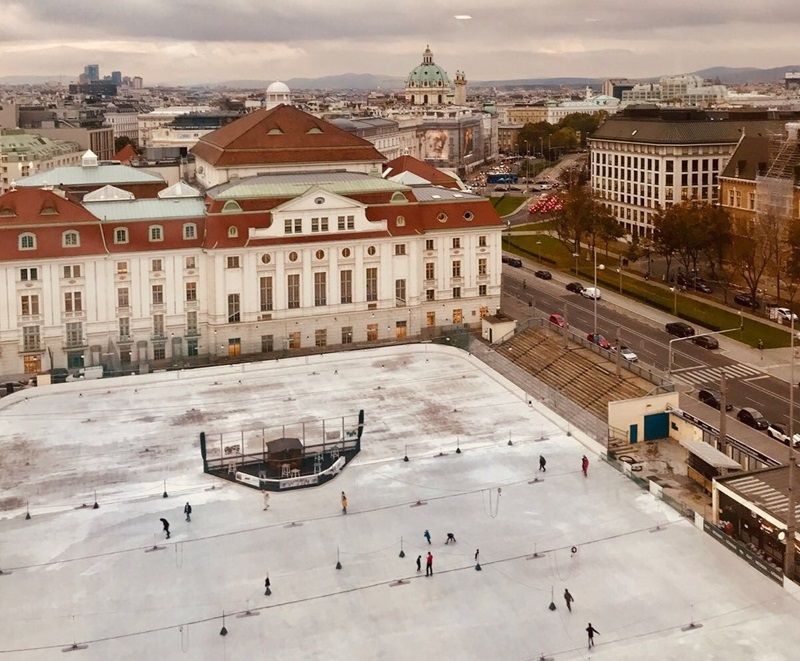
(692, 366)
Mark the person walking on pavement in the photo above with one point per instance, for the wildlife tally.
(187, 510)
(569, 599)
(591, 631)
(477, 553)
(429, 564)
(427, 535)
(585, 466)
(165, 523)
(344, 503)
(266, 500)
(542, 463)
(419, 563)
(267, 587)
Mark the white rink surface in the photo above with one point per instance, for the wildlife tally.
(82, 574)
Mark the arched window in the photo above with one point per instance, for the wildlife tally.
(233, 232)
(398, 197)
(231, 206)
(27, 241)
(70, 239)
(156, 233)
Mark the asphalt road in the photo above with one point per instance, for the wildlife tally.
(692, 366)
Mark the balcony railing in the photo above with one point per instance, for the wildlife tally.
(124, 339)
(75, 342)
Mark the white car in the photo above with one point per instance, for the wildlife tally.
(784, 315)
(626, 353)
(779, 434)
(591, 292)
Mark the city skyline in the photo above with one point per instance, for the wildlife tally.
(203, 43)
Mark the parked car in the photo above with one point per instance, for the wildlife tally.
(712, 398)
(782, 315)
(701, 286)
(626, 353)
(558, 320)
(591, 292)
(679, 328)
(575, 287)
(59, 375)
(778, 432)
(746, 300)
(752, 418)
(706, 341)
(512, 261)
(544, 275)
(600, 341)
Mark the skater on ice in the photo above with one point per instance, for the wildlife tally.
(585, 466)
(419, 563)
(542, 463)
(344, 503)
(591, 631)
(266, 500)
(450, 538)
(165, 523)
(427, 536)
(477, 553)
(187, 510)
(267, 587)
(569, 599)
(429, 564)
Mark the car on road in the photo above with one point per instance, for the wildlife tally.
(701, 286)
(626, 353)
(752, 418)
(745, 300)
(591, 292)
(575, 287)
(712, 398)
(600, 341)
(512, 261)
(778, 432)
(558, 320)
(679, 329)
(544, 275)
(706, 341)
(782, 315)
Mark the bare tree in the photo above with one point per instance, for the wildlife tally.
(753, 248)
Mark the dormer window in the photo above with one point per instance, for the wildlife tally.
(314, 129)
(398, 197)
(156, 233)
(189, 231)
(27, 241)
(231, 206)
(275, 131)
(233, 232)
(70, 239)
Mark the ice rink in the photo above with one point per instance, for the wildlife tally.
(639, 573)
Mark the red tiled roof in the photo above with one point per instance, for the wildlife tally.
(126, 154)
(421, 169)
(37, 206)
(283, 134)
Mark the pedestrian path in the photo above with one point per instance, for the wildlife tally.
(710, 376)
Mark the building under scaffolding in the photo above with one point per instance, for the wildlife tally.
(775, 187)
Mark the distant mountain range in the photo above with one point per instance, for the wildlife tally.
(368, 81)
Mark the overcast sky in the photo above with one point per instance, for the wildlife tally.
(191, 41)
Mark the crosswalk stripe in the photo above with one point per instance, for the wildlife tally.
(712, 374)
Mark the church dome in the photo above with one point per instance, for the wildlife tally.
(278, 88)
(428, 74)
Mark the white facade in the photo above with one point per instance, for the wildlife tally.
(16, 164)
(159, 117)
(125, 124)
(170, 136)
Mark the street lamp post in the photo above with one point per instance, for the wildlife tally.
(791, 521)
(596, 267)
(674, 291)
(539, 250)
(576, 255)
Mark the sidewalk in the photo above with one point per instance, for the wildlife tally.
(775, 362)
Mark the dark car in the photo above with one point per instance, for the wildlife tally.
(576, 287)
(712, 398)
(59, 375)
(752, 418)
(512, 261)
(544, 275)
(706, 341)
(701, 286)
(746, 300)
(680, 329)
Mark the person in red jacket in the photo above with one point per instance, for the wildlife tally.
(429, 564)
(585, 466)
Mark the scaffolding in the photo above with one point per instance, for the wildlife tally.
(775, 184)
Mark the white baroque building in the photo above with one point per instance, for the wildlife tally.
(280, 261)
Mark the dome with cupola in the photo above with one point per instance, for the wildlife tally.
(428, 83)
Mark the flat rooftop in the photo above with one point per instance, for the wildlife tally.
(640, 573)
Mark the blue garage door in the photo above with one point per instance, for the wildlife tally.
(656, 426)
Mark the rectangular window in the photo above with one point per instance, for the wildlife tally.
(123, 298)
(293, 290)
(232, 262)
(320, 337)
(72, 271)
(156, 265)
(191, 323)
(481, 241)
(190, 263)
(751, 200)
(481, 290)
(315, 224)
(191, 347)
(430, 271)
(430, 295)
(74, 334)
(267, 344)
(298, 225)
(346, 280)
(124, 327)
(158, 294)
(121, 235)
(287, 226)
(351, 222)
(189, 231)
(234, 314)
(400, 293)
(347, 334)
(30, 338)
(400, 249)
(191, 291)
(158, 325)
(320, 288)
(458, 316)
(159, 352)
(456, 292)
(323, 224)
(30, 304)
(430, 319)
(122, 268)
(340, 223)
(428, 244)
(456, 242)
(72, 301)
(265, 293)
(457, 268)
(482, 266)
(155, 233)
(294, 340)
(372, 332)
(29, 274)
(372, 284)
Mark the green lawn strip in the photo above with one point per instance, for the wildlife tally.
(507, 204)
(544, 226)
(554, 253)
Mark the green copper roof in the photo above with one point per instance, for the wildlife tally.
(292, 185)
(428, 75)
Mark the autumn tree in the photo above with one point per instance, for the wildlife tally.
(752, 249)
